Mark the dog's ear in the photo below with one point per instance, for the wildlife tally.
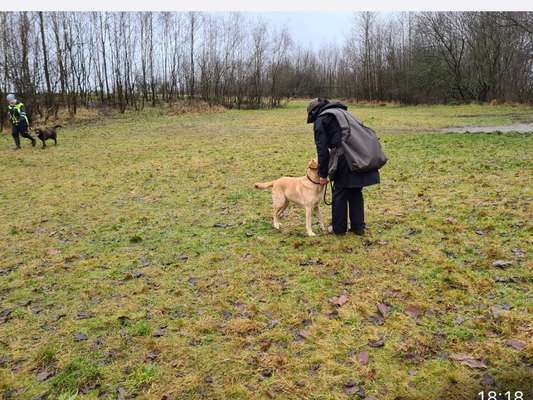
(312, 164)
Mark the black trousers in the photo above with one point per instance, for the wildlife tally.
(21, 130)
(344, 199)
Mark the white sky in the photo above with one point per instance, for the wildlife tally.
(311, 28)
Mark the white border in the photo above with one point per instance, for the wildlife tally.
(267, 5)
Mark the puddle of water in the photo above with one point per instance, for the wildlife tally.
(522, 128)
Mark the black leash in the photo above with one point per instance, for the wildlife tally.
(326, 191)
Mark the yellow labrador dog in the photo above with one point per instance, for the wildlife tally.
(303, 190)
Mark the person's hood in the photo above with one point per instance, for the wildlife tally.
(315, 112)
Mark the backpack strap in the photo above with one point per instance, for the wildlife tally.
(342, 119)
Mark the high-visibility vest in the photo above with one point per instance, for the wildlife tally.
(17, 113)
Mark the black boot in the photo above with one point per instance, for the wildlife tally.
(358, 231)
(16, 138)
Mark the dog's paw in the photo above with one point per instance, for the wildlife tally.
(311, 234)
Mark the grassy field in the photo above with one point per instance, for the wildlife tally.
(138, 261)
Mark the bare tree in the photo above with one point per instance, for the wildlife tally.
(127, 60)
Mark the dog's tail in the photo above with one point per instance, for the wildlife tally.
(57, 126)
(264, 185)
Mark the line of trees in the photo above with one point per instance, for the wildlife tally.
(129, 60)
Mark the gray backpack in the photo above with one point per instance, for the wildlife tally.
(360, 145)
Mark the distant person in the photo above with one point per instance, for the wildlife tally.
(19, 120)
(347, 184)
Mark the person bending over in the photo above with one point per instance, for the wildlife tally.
(347, 184)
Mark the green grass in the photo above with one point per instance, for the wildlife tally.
(111, 234)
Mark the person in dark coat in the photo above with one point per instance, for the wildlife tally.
(347, 185)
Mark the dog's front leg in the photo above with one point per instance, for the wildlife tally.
(319, 217)
(308, 221)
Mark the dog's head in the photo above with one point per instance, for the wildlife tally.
(38, 131)
(312, 164)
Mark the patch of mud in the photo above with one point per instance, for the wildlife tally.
(520, 127)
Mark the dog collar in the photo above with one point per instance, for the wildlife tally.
(316, 183)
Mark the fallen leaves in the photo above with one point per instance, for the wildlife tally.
(132, 275)
(159, 332)
(301, 335)
(60, 316)
(339, 301)
(5, 314)
(487, 380)
(468, 360)
(311, 261)
(383, 309)
(221, 225)
(83, 315)
(144, 262)
(519, 253)
(502, 263)
(472, 363)
(363, 357)
(313, 369)
(515, 344)
(352, 387)
(78, 337)
(376, 319)
(151, 356)
(412, 311)
(499, 310)
(267, 372)
(379, 342)
(44, 375)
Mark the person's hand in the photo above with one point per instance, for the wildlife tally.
(323, 181)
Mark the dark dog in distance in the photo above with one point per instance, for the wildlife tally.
(47, 133)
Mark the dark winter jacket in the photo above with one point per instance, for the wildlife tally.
(328, 135)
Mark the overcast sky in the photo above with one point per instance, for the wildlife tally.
(312, 28)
